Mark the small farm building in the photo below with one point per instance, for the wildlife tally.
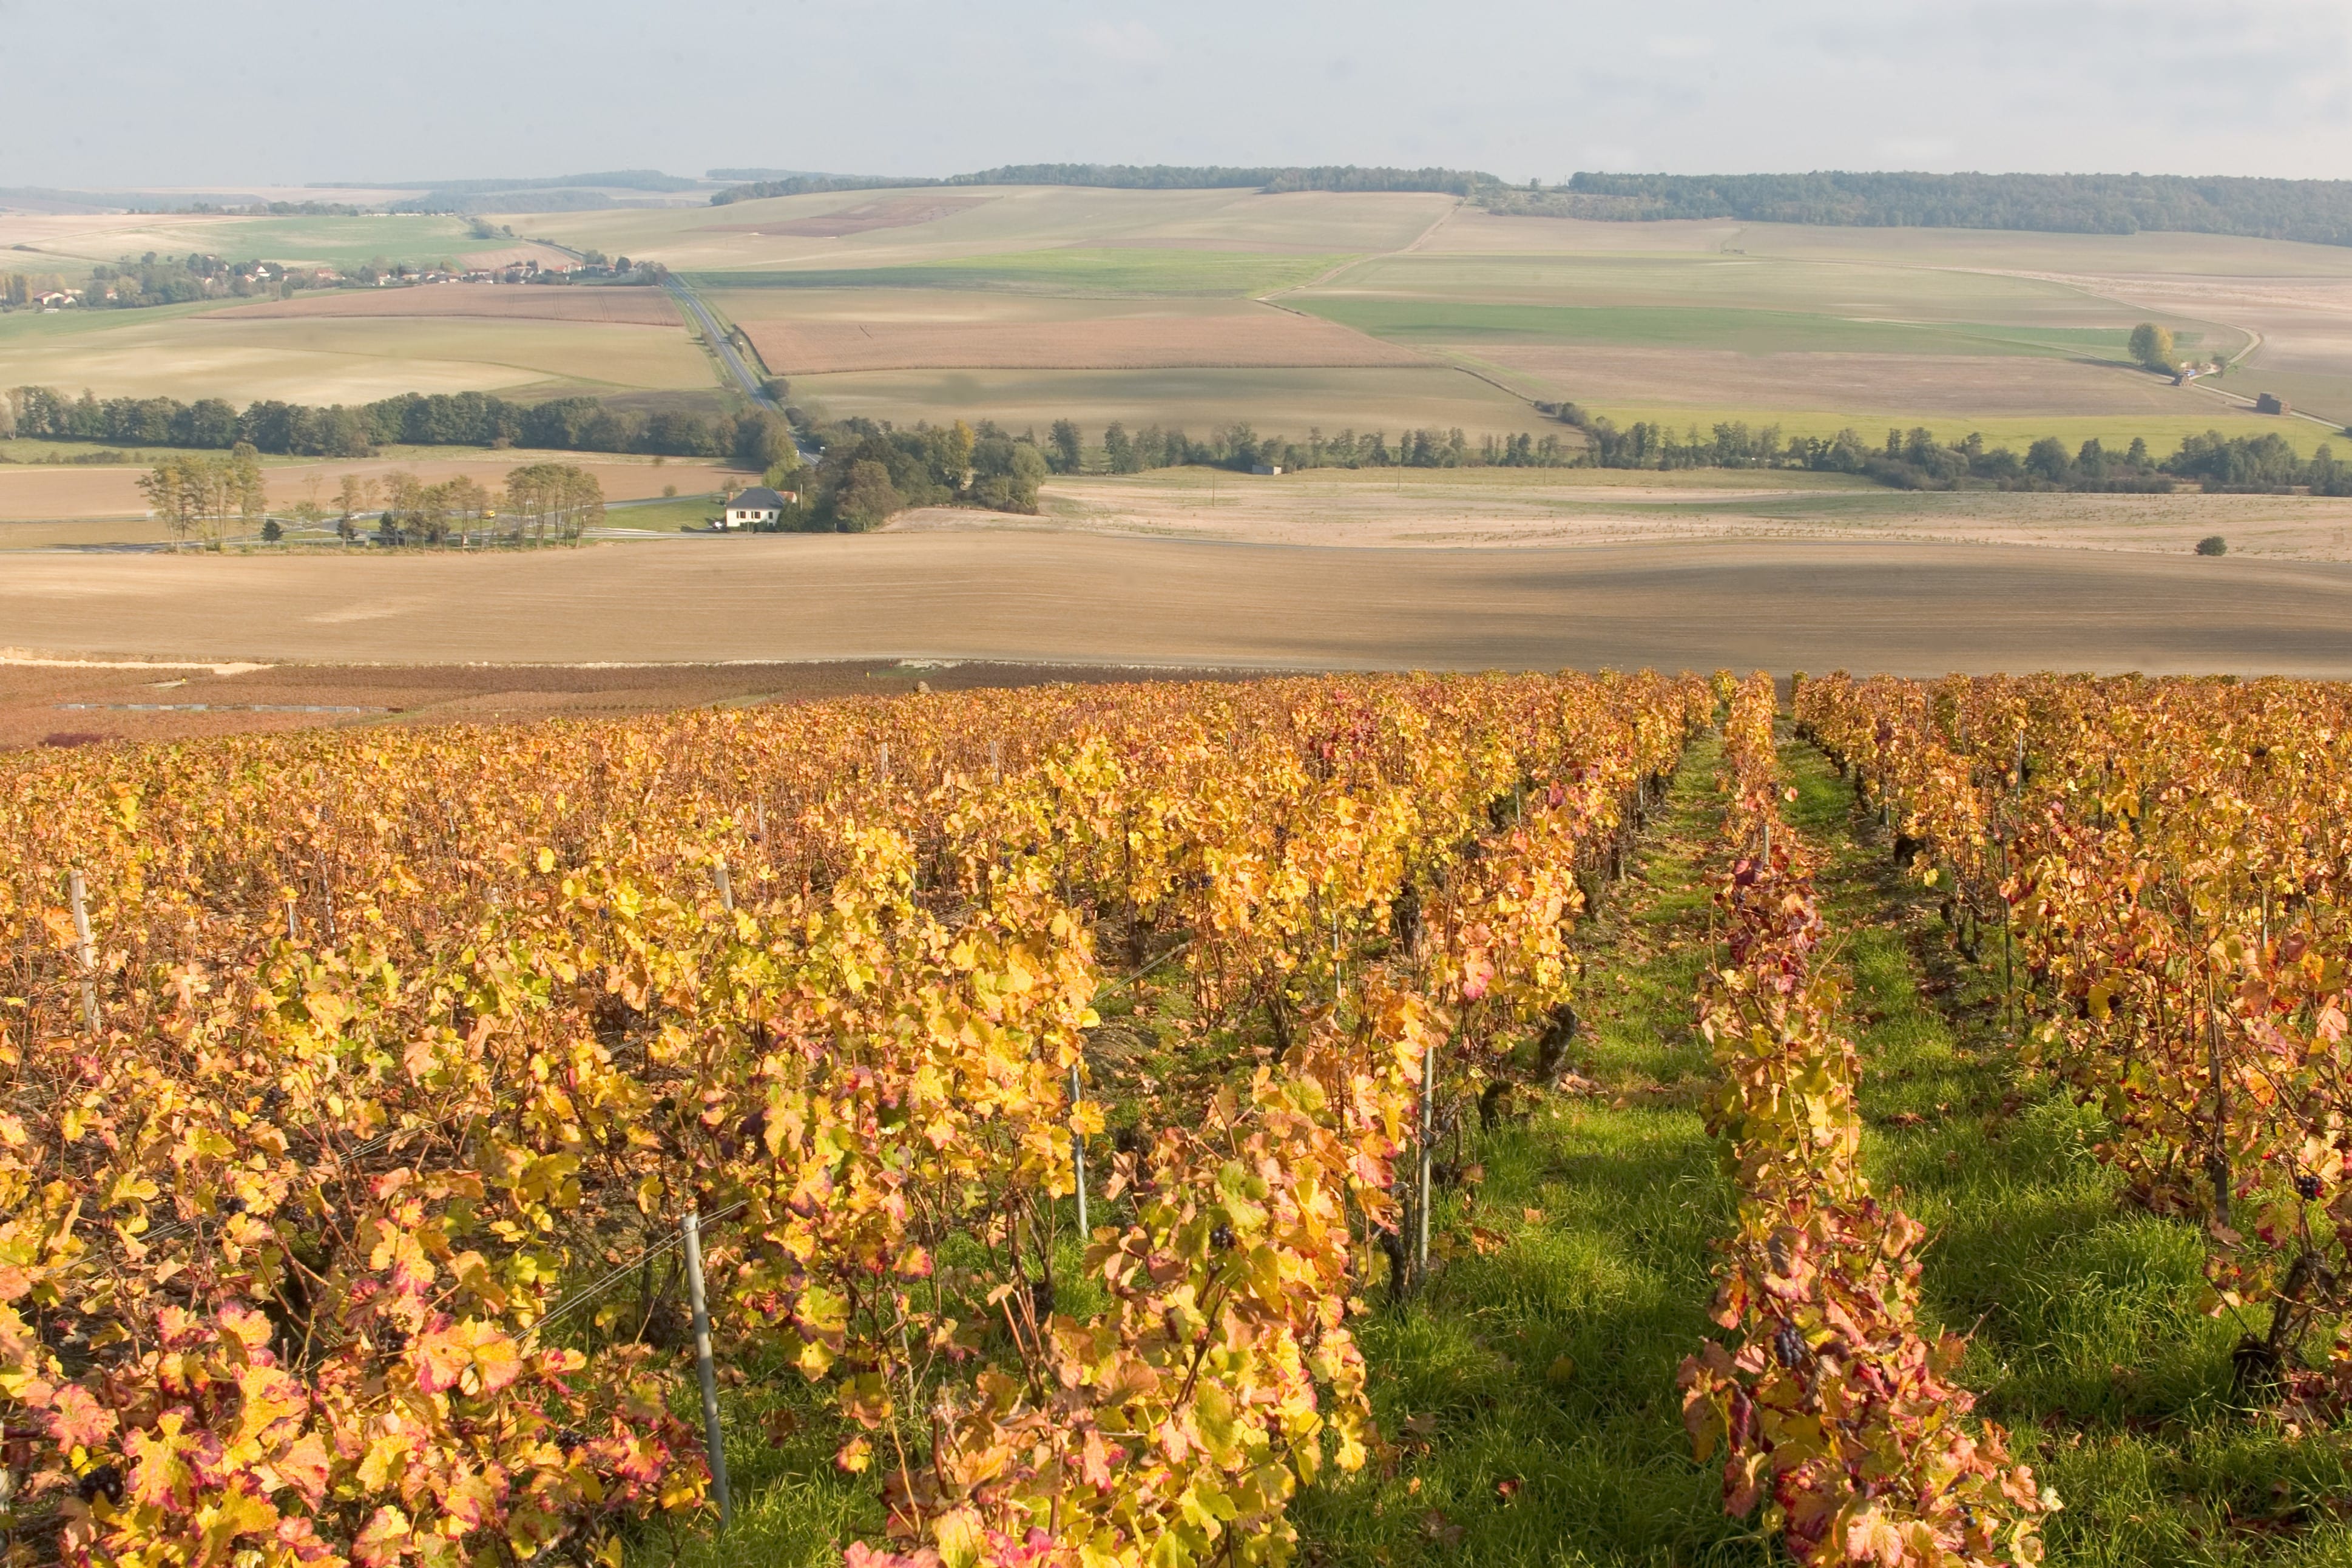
(754, 507)
(2267, 404)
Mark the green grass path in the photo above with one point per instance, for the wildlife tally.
(1550, 1363)
(1530, 1391)
(2089, 1341)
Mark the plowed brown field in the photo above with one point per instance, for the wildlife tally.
(1964, 386)
(1016, 597)
(503, 301)
(1266, 339)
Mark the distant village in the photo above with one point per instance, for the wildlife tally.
(153, 280)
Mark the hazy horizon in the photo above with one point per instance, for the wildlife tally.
(444, 91)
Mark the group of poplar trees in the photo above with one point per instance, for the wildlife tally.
(203, 496)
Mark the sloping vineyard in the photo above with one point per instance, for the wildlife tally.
(2159, 869)
(1838, 1411)
(356, 1086)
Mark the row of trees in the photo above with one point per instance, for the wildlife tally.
(1131, 177)
(198, 495)
(202, 496)
(1240, 447)
(869, 473)
(755, 439)
(18, 290)
(1917, 459)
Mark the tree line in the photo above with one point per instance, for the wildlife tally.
(541, 502)
(869, 472)
(1912, 460)
(755, 439)
(200, 495)
(2315, 211)
(1917, 459)
(1140, 177)
(1240, 447)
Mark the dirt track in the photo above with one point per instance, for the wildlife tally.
(1024, 597)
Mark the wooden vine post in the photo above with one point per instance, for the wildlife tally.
(85, 949)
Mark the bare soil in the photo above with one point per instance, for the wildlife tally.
(1043, 598)
(1516, 508)
(625, 306)
(66, 705)
(1968, 386)
(1262, 338)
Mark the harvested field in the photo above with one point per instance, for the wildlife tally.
(1287, 401)
(1264, 338)
(318, 240)
(28, 493)
(514, 256)
(1042, 598)
(183, 352)
(2303, 328)
(1517, 508)
(1474, 231)
(501, 301)
(1962, 385)
(60, 704)
(750, 235)
(901, 212)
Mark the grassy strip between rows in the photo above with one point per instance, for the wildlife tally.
(2090, 1341)
(1529, 1393)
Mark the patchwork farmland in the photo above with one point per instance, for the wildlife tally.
(1026, 304)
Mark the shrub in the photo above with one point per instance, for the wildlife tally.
(2212, 544)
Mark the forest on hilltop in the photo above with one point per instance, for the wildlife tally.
(2318, 212)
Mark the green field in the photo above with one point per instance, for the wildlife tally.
(190, 352)
(979, 221)
(1814, 330)
(1742, 330)
(340, 242)
(1273, 402)
(1073, 272)
(2162, 433)
(1858, 289)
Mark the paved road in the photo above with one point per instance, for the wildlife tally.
(720, 343)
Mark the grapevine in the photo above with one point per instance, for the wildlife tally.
(2164, 862)
(1838, 1411)
(384, 1046)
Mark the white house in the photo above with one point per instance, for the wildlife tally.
(758, 507)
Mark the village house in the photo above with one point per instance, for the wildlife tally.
(758, 507)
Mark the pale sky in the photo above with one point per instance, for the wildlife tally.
(137, 92)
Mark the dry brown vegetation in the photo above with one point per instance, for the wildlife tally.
(1264, 338)
(505, 301)
(1515, 508)
(1959, 385)
(901, 212)
(1086, 599)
